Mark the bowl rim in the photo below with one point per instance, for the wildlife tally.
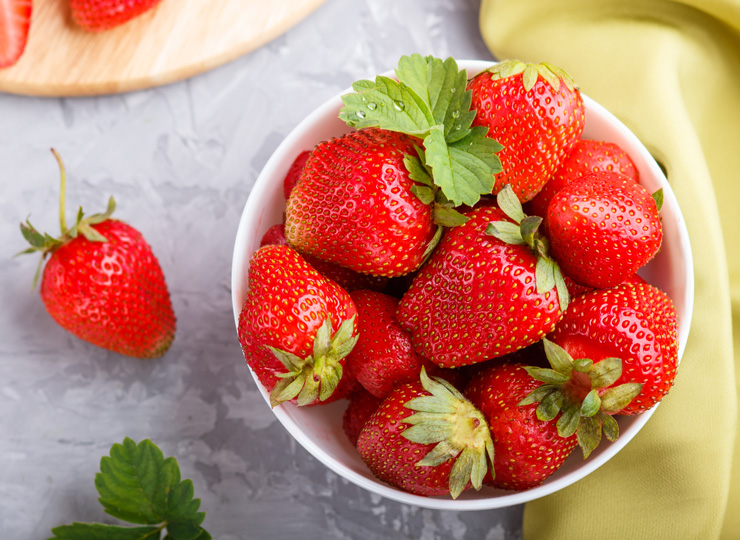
(240, 263)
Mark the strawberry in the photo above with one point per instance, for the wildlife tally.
(15, 22)
(586, 157)
(479, 297)
(383, 357)
(274, 236)
(100, 15)
(348, 279)
(354, 206)
(602, 228)
(103, 284)
(296, 328)
(294, 172)
(633, 322)
(362, 405)
(527, 450)
(427, 439)
(536, 113)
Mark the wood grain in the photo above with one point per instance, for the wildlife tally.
(176, 40)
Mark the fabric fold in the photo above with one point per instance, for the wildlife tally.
(669, 71)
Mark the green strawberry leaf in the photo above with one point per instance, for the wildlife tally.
(387, 104)
(137, 484)
(448, 217)
(98, 531)
(658, 198)
(430, 101)
(417, 171)
(464, 169)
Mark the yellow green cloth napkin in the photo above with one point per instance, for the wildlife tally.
(669, 70)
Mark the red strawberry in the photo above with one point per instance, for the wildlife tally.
(294, 172)
(383, 357)
(354, 205)
(602, 228)
(100, 15)
(527, 450)
(15, 21)
(477, 297)
(274, 236)
(587, 157)
(634, 322)
(427, 439)
(536, 113)
(103, 283)
(348, 279)
(296, 327)
(362, 405)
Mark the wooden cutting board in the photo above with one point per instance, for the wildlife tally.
(176, 40)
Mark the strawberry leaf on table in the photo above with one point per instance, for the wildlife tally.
(137, 484)
(430, 101)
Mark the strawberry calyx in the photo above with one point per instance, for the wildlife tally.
(554, 75)
(581, 392)
(458, 430)
(525, 231)
(317, 375)
(45, 243)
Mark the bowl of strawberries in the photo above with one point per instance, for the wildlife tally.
(462, 285)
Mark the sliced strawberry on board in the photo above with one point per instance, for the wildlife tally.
(15, 21)
(100, 15)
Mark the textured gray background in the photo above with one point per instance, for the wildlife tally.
(181, 160)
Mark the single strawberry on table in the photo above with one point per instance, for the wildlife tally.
(101, 15)
(427, 439)
(102, 283)
(586, 157)
(536, 112)
(603, 227)
(296, 328)
(15, 22)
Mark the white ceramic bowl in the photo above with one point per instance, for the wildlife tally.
(319, 429)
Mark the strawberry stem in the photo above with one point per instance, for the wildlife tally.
(62, 192)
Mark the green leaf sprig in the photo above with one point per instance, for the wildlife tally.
(429, 100)
(137, 484)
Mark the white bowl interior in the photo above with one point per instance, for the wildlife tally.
(319, 429)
